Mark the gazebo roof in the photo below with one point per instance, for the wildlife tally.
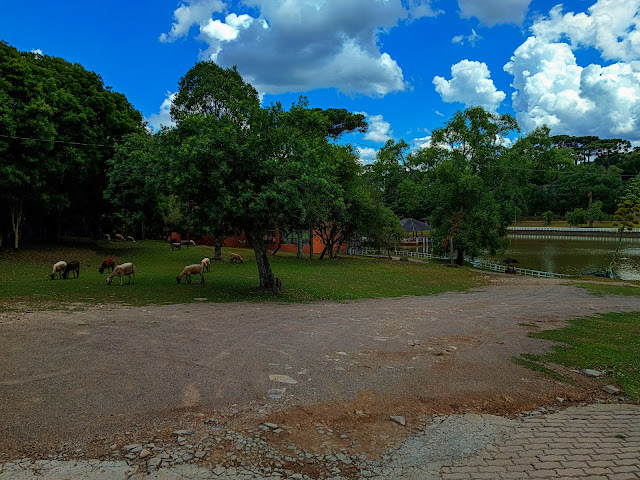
(413, 225)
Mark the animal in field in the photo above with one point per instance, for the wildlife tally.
(188, 243)
(195, 269)
(107, 264)
(176, 246)
(127, 269)
(106, 236)
(236, 258)
(117, 236)
(72, 267)
(130, 239)
(58, 268)
(206, 264)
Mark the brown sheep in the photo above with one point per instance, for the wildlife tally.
(236, 258)
(74, 267)
(107, 264)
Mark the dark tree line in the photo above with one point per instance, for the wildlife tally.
(58, 127)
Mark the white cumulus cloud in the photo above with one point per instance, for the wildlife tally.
(163, 117)
(493, 12)
(300, 45)
(379, 130)
(366, 154)
(610, 26)
(422, 142)
(552, 89)
(196, 12)
(470, 84)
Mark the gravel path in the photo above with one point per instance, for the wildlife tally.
(328, 375)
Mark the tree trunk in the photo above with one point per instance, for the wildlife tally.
(299, 235)
(460, 259)
(217, 254)
(451, 250)
(310, 242)
(15, 208)
(279, 243)
(267, 279)
(323, 252)
(142, 232)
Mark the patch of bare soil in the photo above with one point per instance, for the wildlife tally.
(329, 375)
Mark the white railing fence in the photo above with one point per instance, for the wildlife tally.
(482, 264)
(569, 229)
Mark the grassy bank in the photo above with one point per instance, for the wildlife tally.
(24, 280)
(609, 343)
(611, 289)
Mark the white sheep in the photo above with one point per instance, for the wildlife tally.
(195, 269)
(59, 268)
(106, 236)
(176, 246)
(130, 239)
(119, 237)
(235, 258)
(121, 270)
(206, 264)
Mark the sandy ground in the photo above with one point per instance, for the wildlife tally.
(108, 375)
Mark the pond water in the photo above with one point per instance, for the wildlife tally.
(573, 254)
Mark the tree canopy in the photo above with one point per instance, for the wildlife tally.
(59, 124)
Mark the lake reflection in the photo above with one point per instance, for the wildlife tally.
(573, 255)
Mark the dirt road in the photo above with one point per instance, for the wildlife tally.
(108, 375)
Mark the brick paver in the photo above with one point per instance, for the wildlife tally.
(592, 442)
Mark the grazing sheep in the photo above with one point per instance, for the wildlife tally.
(236, 258)
(74, 267)
(189, 270)
(109, 263)
(176, 246)
(206, 264)
(119, 237)
(106, 236)
(121, 270)
(188, 243)
(130, 239)
(59, 268)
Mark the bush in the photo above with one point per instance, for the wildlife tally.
(548, 216)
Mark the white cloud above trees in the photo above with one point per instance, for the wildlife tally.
(610, 26)
(379, 130)
(163, 117)
(552, 89)
(471, 85)
(296, 45)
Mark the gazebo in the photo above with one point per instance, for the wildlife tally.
(413, 226)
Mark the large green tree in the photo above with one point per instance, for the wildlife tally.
(137, 190)
(59, 125)
(240, 166)
(472, 183)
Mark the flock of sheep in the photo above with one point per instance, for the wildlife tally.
(128, 269)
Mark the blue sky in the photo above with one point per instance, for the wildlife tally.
(407, 64)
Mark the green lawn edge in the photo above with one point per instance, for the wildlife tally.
(24, 281)
(609, 343)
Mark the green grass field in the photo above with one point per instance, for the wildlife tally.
(609, 343)
(24, 280)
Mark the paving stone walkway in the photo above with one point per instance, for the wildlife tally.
(595, 442)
